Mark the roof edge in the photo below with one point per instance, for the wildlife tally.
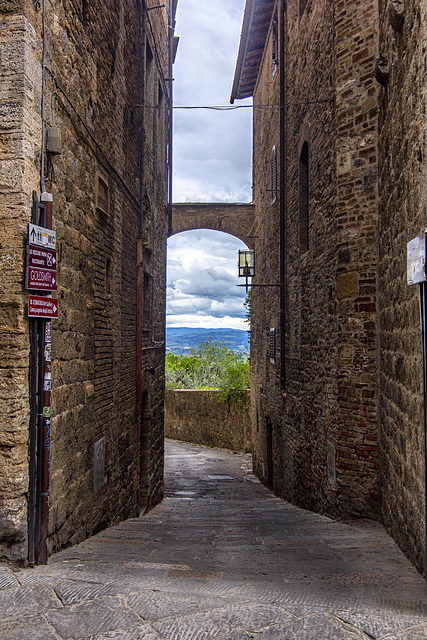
(242, 49)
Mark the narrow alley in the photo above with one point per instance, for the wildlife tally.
(221, 557)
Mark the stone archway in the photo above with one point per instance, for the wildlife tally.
(236, 219)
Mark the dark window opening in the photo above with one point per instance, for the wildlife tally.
(304, 198)
(269, 479)
(102, 196)
(108, 276)
(302, 6)
(147, 305)
(85, 12)
(273, 176)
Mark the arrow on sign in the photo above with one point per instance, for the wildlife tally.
(33, 235)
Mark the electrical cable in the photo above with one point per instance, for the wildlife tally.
(97, 149)
(43, 119)
(240, 106)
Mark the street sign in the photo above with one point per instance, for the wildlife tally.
(417, 258)
(40, 279)
(42, 307)
(41, 237)
(41, 258)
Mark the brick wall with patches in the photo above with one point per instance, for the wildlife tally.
(313, 353)
(103, 61)
(402, 181)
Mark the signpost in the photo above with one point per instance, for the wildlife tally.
(40, 279)
(41, 236)
(41, 258)
(40, 276)
(42, 307)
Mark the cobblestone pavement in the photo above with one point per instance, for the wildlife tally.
(221, 558)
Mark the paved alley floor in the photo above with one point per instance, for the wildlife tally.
(221, 558)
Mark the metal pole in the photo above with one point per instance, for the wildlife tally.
(45, 422)
(283, 22)
(423, 307)
(33, 421)
(39, 434)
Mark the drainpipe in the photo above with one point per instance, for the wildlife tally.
(139, 241)
(171, 31)
(283, 184)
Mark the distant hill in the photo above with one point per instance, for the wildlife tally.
(181, 339)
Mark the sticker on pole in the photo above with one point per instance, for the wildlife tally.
(41, 237)
(41, 307)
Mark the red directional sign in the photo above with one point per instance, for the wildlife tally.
(41, 258)
(41, 307)
(40, 279)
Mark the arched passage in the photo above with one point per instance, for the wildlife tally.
(235, 219)
(202, 280)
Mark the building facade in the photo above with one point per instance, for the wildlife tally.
(98, 73)
(335, 401)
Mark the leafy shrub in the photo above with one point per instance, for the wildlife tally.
(213, 366)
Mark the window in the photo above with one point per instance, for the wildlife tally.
(274, 49)
(102, 196)
(150, 100)
(304, 197)
(85, 12)
(273, 176)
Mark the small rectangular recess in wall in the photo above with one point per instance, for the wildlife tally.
(99, 465)
(273, 346)
(331, 463)
(102, 196)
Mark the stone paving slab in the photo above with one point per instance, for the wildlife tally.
(217, 623)
(102, 614)
(28, 601)
(142, 632)
(7, 578)
(316, 627)
(27, 628)
(229, 562)
(418, 633)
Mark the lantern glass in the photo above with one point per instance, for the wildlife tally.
(246, 263)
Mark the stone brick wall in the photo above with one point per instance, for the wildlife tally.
(403, 173)
(315, 423)
(95, 83)
(356, 254)
(19, 130)
(201, 418)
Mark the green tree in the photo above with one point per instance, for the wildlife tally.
(213, 366)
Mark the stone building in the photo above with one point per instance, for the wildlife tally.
(402, 130)
(98, 71)
(339, 186)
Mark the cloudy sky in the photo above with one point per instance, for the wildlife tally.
(212, 163)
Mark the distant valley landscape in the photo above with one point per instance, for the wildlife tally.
(181, 340)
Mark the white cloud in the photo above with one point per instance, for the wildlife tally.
(206, 322)
(202, 280)
(212, 149)
(212, 163)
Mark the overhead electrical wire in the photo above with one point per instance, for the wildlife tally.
(239, 106)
